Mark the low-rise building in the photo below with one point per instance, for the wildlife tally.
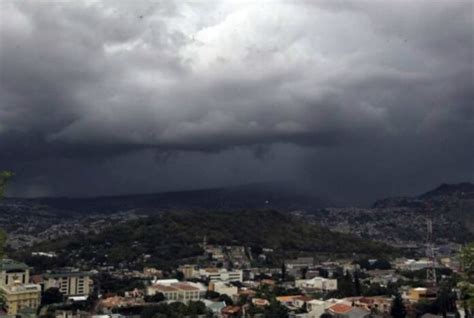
(317, 283)
(176, 291)
(223, 288)
(220, 274)
(416, 294)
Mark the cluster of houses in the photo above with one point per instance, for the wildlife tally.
(307, 291)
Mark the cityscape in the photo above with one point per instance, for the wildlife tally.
(236, 159)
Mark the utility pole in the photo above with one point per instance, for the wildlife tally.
(430, 252)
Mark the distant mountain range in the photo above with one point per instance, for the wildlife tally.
(276, 196)
(251, 196)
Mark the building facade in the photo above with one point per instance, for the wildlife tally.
(18, 293)
(69, 283)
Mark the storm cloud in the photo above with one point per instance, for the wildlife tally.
(347, 96)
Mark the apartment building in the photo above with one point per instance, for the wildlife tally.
(70, 283)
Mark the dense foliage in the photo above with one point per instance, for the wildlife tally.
(174, 236)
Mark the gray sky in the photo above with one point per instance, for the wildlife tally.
(354, 99)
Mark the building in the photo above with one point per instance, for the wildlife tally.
(317, 283)
(18, 294)
(224, 288)
(379, 304)
(416, 294)
(300, 262)
(341, 310)
(221, 275)
(188, 271)
(69, 283)
(176, 291)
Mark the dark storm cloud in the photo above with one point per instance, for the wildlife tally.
(100, 80)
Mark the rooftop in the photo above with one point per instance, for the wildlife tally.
(8, 265)
(66, 274)
(340, 308)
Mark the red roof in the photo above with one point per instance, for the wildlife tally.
(36, 279)
(340, 308)
(230, 310)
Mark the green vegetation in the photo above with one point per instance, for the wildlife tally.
(4, 177)
(467, 283)
(398, 308)
(177, 236)
(51, 296)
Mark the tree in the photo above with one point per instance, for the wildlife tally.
(225, 298)
(467, 261)
(156, 298)
(283, 271)
(346, 285)
(467, 284)
(4, 177)
(446, 300)
(357, 287)
(275, 310)
(51, 296)
(398, 308)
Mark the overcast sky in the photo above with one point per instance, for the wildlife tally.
(354, 99)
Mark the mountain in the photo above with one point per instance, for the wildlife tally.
(251, 196)
(460, 190)
(176, 236)
(454, 202)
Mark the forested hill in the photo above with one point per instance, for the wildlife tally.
(176, 235)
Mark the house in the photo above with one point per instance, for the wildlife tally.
(316, 308)
(341, 310)
(380, 304)
(18, 293)
(416, 294)
(293, 302)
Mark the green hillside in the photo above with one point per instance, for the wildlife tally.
(175, 236)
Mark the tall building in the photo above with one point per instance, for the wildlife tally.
(18, 293)
(70, 283)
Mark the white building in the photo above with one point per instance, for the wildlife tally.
(224, 288)
(181, 291)
(221, 275)
(318, 283)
